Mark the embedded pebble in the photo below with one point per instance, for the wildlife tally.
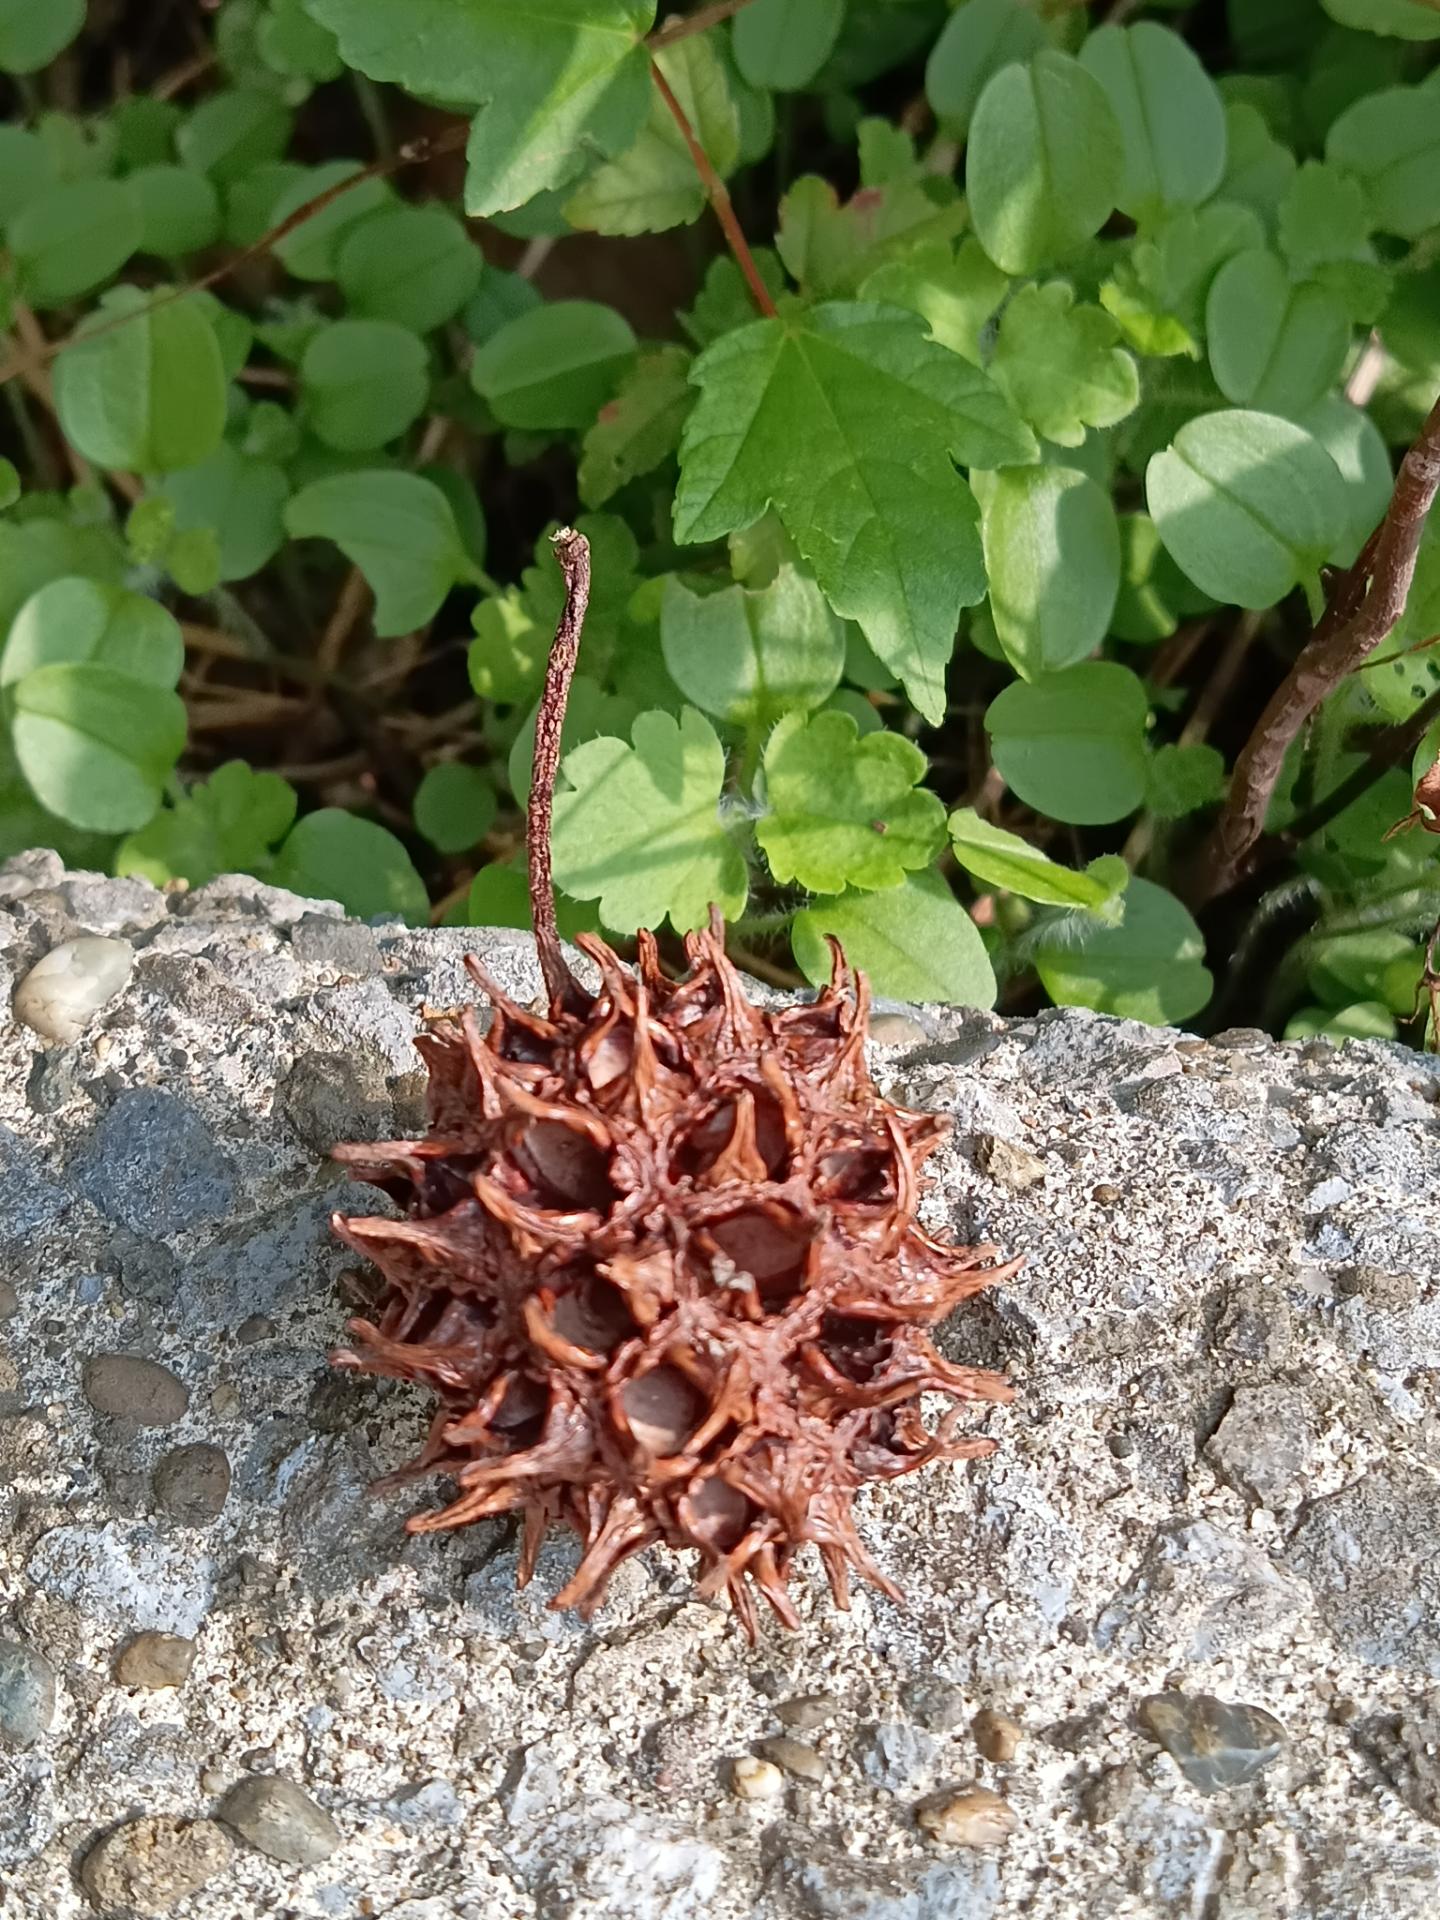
(795, 1757)
(807, 1711)
(148, 1866)
(427, 1803)
(755, 1779)
(934, 1704)
(1215, 1744)
(127, 1387)
(192, 1483)
(897, 1030)
(155, 1660)
(9, 1300)
(1014, 1168)
(346, 946)
(27, 1694)
(894, 1754)
(63, 992)
(280, 1819)
(974, 1818)
(996, 1735)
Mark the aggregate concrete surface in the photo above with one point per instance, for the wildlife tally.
(1174, 1650)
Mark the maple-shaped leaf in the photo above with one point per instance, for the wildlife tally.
(845, 809)
(638, 827)
(847, 419)
(1060, 366)
(557, 82)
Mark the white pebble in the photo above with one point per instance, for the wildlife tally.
(756, 1779)
(63, 992)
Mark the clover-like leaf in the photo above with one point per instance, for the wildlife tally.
(1002, 859)
(227, 824)
(914, 942)
(398, 529)
(638, 827)
(750, 656)
(1148, 967)
(1060, 366)
(845, 810)
(640, 428)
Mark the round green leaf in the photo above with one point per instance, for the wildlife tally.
(783, 44)
(73, 238)
(1406, 19)
(1273, 345)
(334, 855)
(1391, 142)
(96, 746)
(147, 396)
(1044, 165)
(556, 367)
(26, 170)
(398, 529)
(1150, 967)
(1357, 446)
(364, 382)
(74, 619)
(32, 32)
(913, 942)
(179, 210)
(1247, 505)
(749, 656)
(413, 265)
(1171, 116)
(34, 552)
(241, 500)
(231, 133)
(1052, 551)
(1072, 745)
(455, 807)
(976, 41)
(1003, 859)
(310, 251)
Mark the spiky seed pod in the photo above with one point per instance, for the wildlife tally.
(659, 1261)
(661, 1268)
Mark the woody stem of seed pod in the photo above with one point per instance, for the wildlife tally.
(572, 551)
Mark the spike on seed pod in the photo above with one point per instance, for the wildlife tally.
(659, 1262)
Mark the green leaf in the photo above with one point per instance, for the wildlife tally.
(311, 251)
(241, 500)
(1150, 967)
(37, 551)
(1258, 169)
(1158, 291)
(398, 529)
(1172, 119)
(500, 897)
(638, 828)
(1391, 142)
(1144, 607)
(1273, 345)
(226, 824)
(455, 807)
(913, 942)
(751, 656)
(26, 171)
(334, 855)
(977, 41)
(96, 745)
(1052, 553)
(639, 429)
(364, 382)
(654, 184)
(416, 266)
(1002, 859)
(556, 367)
(33, 32)
(11, 485)
(1072, 745)
(830, 249)
(846, 418)
(1406, 19)
(149, 395)
(957, 293)
(725, 301)
(1356, 445)
(845, 810)
(506, 659)
(231, 134)
(74, 620)
(193, 561)
(1045, 162)
(1184, 778)
(290, 42)
(1322, 217)
(72, 238)
(1060, 366)
(179, 210)
(783, 44)
(556, 80)
(1247, 505)
(589, 712)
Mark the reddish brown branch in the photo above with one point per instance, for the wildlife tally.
(572, 550)
(710, 16)
(719, 197)
(1364, 609)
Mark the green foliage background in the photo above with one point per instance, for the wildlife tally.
(932, 603)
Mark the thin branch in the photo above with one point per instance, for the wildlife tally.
(1364, 609)
(572, 550)
(719, 197)
(349, 610)
(710, 16)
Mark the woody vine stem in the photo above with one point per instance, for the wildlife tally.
(572, 551)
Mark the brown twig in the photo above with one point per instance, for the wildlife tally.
(719, 197)
(1364, 608)
(349, 609)
(572, 550)
(710, 16)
